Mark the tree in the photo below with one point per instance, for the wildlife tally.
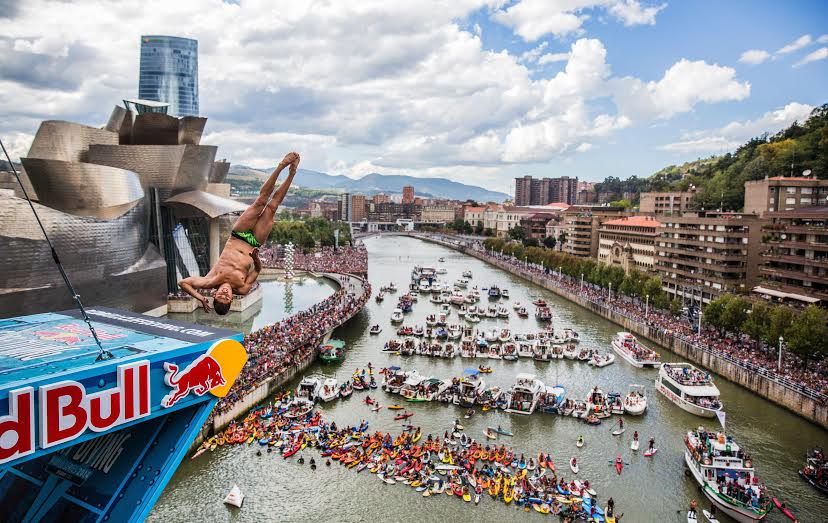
(715, 310)
(488, 232)
(549, 242)
(457, 225)
(781, 318)
(561, 240)
(518, 232)
(757, 323)
(808, 334)
(478, 229)
(734, 314)
(530, 242)
(467, 228)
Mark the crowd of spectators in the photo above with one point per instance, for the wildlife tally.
(279, 347)
(809, 377)
(351, 260)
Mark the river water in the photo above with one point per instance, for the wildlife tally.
(648, 490)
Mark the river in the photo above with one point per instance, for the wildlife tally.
(648, 490)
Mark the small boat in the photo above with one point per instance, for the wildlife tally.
(580, 442)
(395, 407)
(504, 293)
(783, 509)
(234, 497)
(397, 316)
(376, 329)
(329, 390)
(543, 314)
(522, 312)
(484, 370)
(619, 464)
(489, 434)
(710, 517)
(573, 464)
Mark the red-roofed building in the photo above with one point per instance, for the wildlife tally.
(473, 215)
(629, 242)
(784, 194)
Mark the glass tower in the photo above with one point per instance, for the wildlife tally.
(169, 73)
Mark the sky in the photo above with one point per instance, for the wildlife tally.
(477, 91)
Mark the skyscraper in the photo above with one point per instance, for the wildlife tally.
(169, 73)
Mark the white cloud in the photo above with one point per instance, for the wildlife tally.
(796, 45)
(822, 39)
(549, 58)
(683, 86)
(631, 12)
(819, 54)
(754, 56)
(532, 19)
(735, 134)
(410, 92)
(17, 145)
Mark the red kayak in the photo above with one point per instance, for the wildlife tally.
(650, 453)
(404, 415)
(784, 509)
(619, 464)
(369, 401)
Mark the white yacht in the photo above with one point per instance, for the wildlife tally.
(308, 388)
(638, 355)
(471, 384)
(689, 388)
(635, 402)
(525, 394)
(397, 316)
(411, 386)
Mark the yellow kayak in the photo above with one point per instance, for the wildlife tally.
(542, 508)
(395, 407)
(466, 497)
(417, 437)
(507, 496)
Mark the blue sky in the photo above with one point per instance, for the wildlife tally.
(479, 91)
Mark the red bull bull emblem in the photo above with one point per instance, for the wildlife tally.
(213, 372)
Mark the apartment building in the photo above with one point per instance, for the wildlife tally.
(794, 266)
(540, 191)
(700, 255)
(474, 215)
(582, 224)
(629, 242)
(782, 194)
(437, 214)
(665, 202)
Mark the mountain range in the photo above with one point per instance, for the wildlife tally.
(379, 183)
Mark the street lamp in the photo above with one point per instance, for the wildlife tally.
(609, 295)
(779, 363)
(559, 272)
(582, 282)
(700, 317)
(647, 306)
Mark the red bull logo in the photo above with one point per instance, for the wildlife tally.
(213, 372)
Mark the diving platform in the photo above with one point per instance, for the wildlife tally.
(87, 440)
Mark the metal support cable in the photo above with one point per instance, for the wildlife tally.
(102, 353)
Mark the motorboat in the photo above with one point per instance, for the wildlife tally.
(392, 346)
(457, 298)
(525, 349)
(570, 352)
(397, 316)
(635, 402)
(441, 270)
(491, 312)
(509, 351)
(502, 312)
(467, 349)
(376, 329)
(308, 388)
(602, 360)
(471, 298)
(472, 318)
(504, 293)
(433, 388)
(436, 298)
(332, 352)
(454, 332)
(329, 390)
(522, 312)
(629, 348)
(539, 302)
(471, 385)
(394, 379)
(494, 292)
(461, 283)
(542, 351)
(445, 308)
(442, 318)
(504, 335)
(525, 394)
(543, 314)
(379, 297)
(411, 386)
(690, 388)
(719, 465)
(494, 351)
(467, 274)
(553, 398)
(491, 335)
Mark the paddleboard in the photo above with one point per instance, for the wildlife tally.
(618, 432)
(579, 443)
(710, 517)
(573, 466)
(634, 445)
(691, 517)
(650, 453)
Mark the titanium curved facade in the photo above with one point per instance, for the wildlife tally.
(102, 196)
(169, 73)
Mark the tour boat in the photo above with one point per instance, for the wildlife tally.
(235, 497)
(689, 388)
(525, 394)
(494, 291)
(722, 469)
(543, 314)
(629, 348)
(503, 312)
(308, 388)
(471, 384)
(332, 352)
(329, 390)
(376, 329)
(397, 316)
(635, 402)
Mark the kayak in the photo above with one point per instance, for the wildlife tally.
(489, 434)
(573, 465)
(395, 407)
(543, 508)
(650, 453)
(634, 445)
(466, 497)
(710, 517)
(404, 415)
(783, 509)
(619, 464)
(502, 431)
